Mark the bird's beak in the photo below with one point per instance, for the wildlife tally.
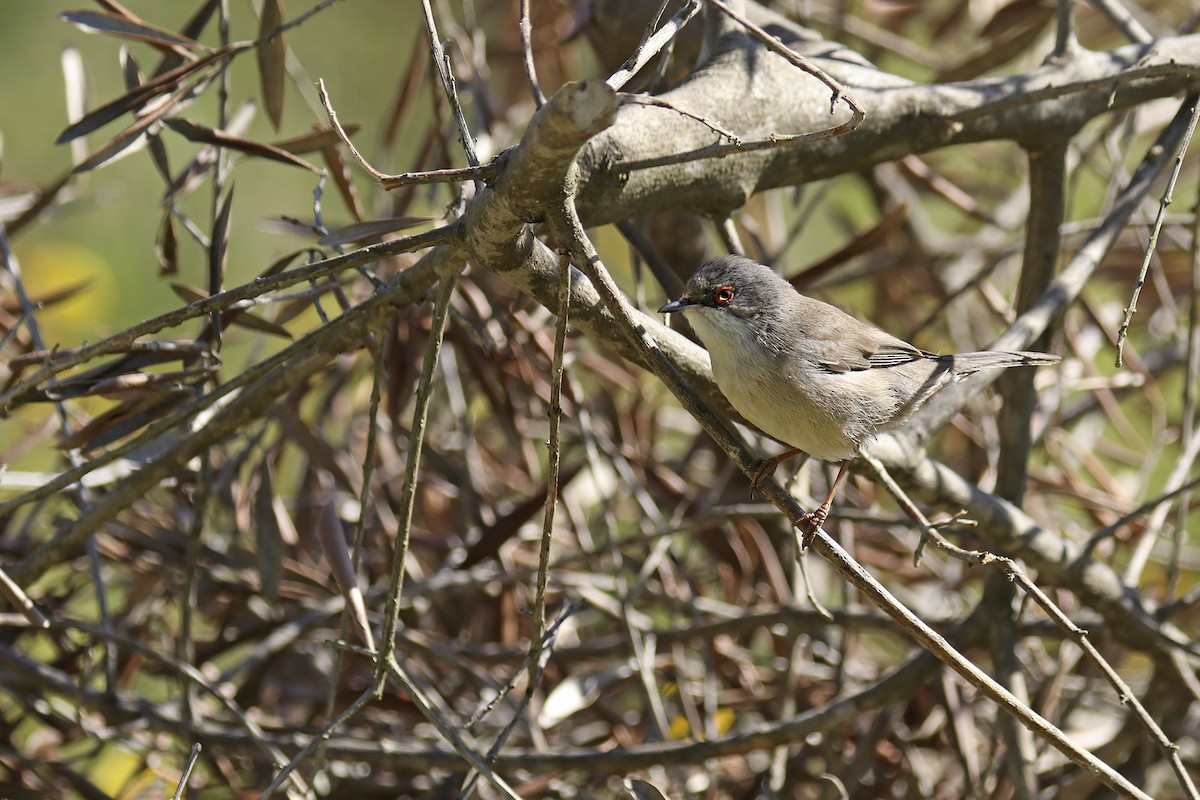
(682, 304)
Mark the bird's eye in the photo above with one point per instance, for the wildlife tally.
(723, 296)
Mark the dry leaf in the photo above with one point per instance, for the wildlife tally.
(272, 55)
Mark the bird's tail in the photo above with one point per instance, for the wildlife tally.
(966, 363)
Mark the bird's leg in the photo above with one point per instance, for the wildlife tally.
(768, 466)
(815, 519)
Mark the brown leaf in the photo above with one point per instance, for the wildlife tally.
(241, 317)
(870, 240)
(14, 305)
(191, 177)
(272, 54)
(166, 246)
(268, 539)
(1017, 17)
(503, 529)
(371, 230)
(218, 248)
(290, 227)
(192, 30)
(199, 133)
(337, 554)
(138, 355)
(189, 294)
(138, 97)
(340, 172)
(317, 139)
(43, 201)
(414, 75)
(133, 137)
(281, 263)
(123, 419)
(127, 28)
(138, 384)
(254, 322)
(133, 79)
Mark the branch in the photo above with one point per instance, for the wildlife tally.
(1050, 101)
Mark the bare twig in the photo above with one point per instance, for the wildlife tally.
(648, 100)
(454, 175)
(554, 456)
(650, 46)
(840, 92)
(1167, 198)
(416, 439)
(526, 30)
(193, 756)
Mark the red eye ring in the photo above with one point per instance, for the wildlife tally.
(723, 296)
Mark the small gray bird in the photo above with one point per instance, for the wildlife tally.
(809, 374)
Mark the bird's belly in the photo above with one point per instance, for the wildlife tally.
(783, 409)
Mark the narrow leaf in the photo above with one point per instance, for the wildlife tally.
(337, 554)
(134, 99)
(372, 229)
(219, 245)
(245, 319)
(188, 294)
(123, 419)
(192, 30)
(272, 54)
(166, 245)
(95, 22)
(269, 550)
(135, 134)
(199, 133)
(13, 304)
(75, 81)
(191, 177)
(340, 172)
(316, 140)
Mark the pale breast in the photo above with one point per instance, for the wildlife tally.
(781, 401)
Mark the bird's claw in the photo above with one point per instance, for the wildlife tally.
(763, 469)
(810, 524)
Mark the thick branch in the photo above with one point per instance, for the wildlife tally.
(757, 94)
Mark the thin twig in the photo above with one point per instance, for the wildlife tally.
(651, 45)
(554, 458)
(416, 441)
(1064, 33)
(448, 731)
(526, 29)
(1191, 378)
(1124, 21)
(650, 100)
(774, 142)
(19, 600)
(441, 63)
(453, 175)
(368, 470)
(189, 765)
(1145, 508)
(317, 742)
(840, 92)
(1167, 197)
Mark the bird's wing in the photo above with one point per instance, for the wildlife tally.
(871, 352)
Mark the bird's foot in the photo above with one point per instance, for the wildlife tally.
(766, 467)
(811, 523)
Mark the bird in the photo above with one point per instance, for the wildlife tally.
(810, 375)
